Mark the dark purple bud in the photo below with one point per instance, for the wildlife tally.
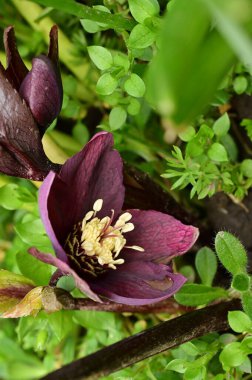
(42, 91)
(42, 86)
(21, 150)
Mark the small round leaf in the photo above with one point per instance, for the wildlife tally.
(101, 57)
(106, 84)
(134, 86)
(217, 152)
(117, 117)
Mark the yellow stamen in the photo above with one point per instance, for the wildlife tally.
(102, 240)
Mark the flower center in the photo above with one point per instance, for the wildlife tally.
(95, 244)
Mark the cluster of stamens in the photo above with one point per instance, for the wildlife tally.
(97, 243)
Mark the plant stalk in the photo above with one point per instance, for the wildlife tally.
(148, 343)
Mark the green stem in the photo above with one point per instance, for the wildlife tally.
(83, 11)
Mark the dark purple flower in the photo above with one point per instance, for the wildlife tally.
(29, 102)
(124, 256)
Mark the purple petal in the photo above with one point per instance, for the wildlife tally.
(139, 283)
(162, 236)
(16, 69)
(42, 90)
(54, 204)
(94, 173)
(21, 150)
(65, 268)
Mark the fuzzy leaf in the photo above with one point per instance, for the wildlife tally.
(231, 252)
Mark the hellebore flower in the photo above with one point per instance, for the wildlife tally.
(124, 256)
(29, 102)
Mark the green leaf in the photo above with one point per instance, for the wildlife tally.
(240, 84)
(246, 168)
(95, 320)
(133, 107)
(195, 373)
(67, 283)
(231, 252)
(177, 365)
(61, 323)
(12, 196)
(232, 356)
(33, 268)
(117, 118)
(245, 366)
(32, 232)
(190, 349)
(187, 134)
(189, 272)
(141, 37)
(81, 133)
(121, 60)
(231, 147)
(196, 295)
(142, 9)
(239, 321)
(222, 125)
(247, 303)
(134, 86)
(206, 265)
(241, 282)
(101, 57)
(217, 152)
(106, 84)
(93, 26)
(246, 344)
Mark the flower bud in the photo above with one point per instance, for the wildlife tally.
(29, 102)
(42, 90)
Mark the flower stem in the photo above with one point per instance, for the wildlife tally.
(150, 342)
(69, 303)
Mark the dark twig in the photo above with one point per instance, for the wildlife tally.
(148, 343)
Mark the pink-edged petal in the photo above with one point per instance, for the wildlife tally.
(162, 236)
(139, 283)
(65, 268)
(55, 212)
(64, 199)
(95, 173)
